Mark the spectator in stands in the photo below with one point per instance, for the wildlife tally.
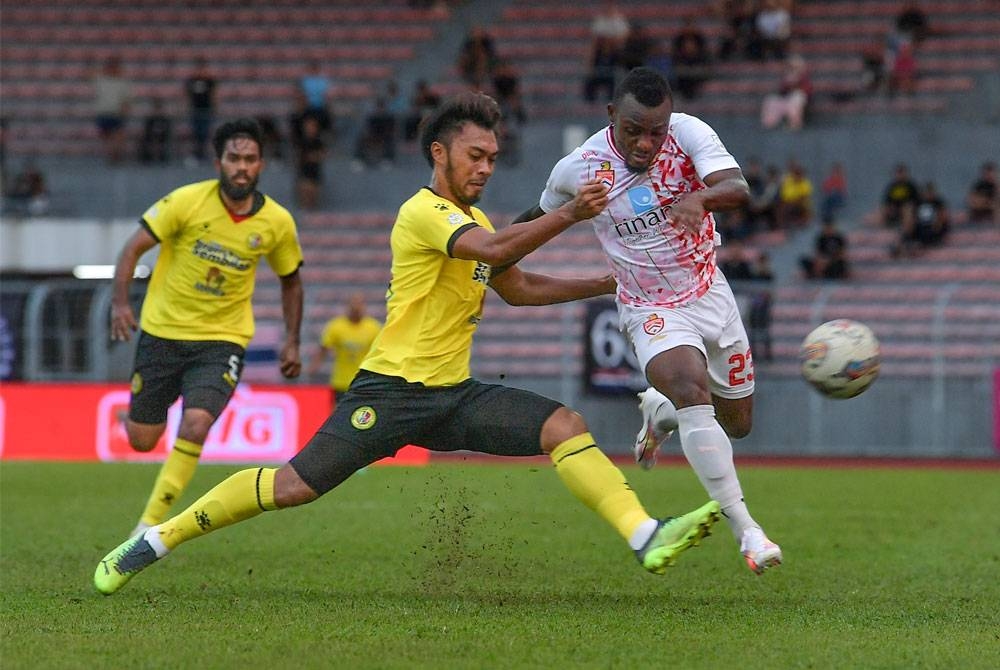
(912, 24)
(774, 28)
(610, 25)
(301, 112)
(200, 89)
(734, 261)
(764, 203)
(112, 99)
(348, 337)
(28, 194)
(873, 68)
(928, 227)
(790, 102)
(692, 59)
(395, 100)
(423, 102)
(637, 47)
(274, 139)
(157, 135)
(795, 200)
(903, 73)
(739, 39)
(762, 269)
(932, 220)
(900, 200)
(662, 61)
(318, 91)
(377, 143)
(604, 60)
(311, 152)
(983, 200)
(830, 258)
(834, 188)
(507, 92)
(477, 58)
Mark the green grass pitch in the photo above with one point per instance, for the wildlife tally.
(497, 566)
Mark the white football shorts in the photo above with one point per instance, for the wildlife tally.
(711, 324)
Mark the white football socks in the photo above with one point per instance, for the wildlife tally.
(710, 453)
(641, 535)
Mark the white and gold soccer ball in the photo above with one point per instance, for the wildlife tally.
(840, 358)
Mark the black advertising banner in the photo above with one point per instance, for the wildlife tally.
(609, 363)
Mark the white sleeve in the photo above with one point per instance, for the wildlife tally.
(562, 184)
(697, 139)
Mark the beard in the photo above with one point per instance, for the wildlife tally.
(456, 189)
(234, 192)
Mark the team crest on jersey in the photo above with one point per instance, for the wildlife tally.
(364, 418)
(606, 175)
(642, 199)
(136, 383)
(455, 218)
(653, 324)
(254, 241)
(212, 283)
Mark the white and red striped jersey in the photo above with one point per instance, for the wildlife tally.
(654, 262)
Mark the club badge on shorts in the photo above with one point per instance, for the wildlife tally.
(136, 383)
(653, 324)
(363, 418)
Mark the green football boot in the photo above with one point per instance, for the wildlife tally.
(675, 534)
(124, 562)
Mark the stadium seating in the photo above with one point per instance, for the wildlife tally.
(257, 51)
(939, 309)
(549, 43)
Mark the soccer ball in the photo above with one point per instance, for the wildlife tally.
(840, 358)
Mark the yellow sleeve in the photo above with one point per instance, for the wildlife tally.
(166, 217)
(286, 257)
(433, 223)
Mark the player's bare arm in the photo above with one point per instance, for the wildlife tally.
(123, 321)
(517, 287)
(514, 242)
(727, 189)
(290, 359)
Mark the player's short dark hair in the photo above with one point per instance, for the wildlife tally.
(245, 127)
(448, 119)
(646, 85)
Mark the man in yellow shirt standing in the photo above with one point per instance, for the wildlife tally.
(197, 318)
(349, 337)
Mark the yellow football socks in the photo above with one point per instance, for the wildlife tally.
(243, 496)
(174, 476)
(598, 484)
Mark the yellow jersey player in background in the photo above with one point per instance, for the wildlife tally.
(415, 385)
(197, 318)
(348, 337)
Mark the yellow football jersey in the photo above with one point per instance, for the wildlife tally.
(350, 343)
(434, 301)
(204, 277)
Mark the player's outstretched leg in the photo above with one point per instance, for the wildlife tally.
(659, 420)
(675, 535)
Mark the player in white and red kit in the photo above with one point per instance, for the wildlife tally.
(666, 172)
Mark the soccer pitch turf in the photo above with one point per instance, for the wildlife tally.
(497, 566)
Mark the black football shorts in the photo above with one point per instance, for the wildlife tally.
(380, 414)
(205, 374)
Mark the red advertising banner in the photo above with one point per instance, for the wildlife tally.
(84, 422)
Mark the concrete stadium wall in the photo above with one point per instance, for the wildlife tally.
(896, 417)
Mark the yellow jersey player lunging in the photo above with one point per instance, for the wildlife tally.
(415, 384)
(197, 318)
